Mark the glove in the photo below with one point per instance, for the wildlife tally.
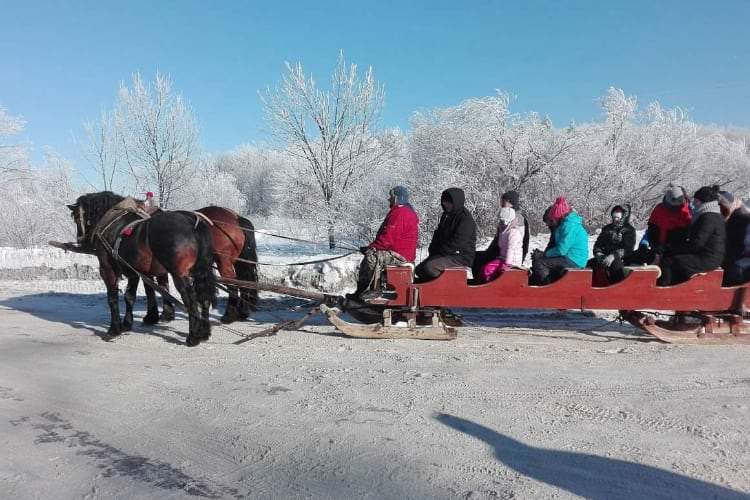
(608, 260)
(537, 254)
(598, 257)
(363, 250)
(620, 252)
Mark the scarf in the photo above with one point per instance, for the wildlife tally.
(710, 207)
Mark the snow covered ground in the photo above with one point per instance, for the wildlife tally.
(522, 405)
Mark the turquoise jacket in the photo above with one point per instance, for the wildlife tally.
(571, 240)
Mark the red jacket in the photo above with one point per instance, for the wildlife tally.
(399, 232)
(668, 220)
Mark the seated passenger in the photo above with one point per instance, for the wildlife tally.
(737, 218)
(453, 242)
(509, 199)
(570, 249)
(739, 272)
(668, 224)
(509, 241)
(395, 243)
(704, 249)
(615, 243)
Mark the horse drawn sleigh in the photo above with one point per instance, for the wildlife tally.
(700, 311)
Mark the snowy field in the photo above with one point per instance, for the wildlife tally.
(522, 405)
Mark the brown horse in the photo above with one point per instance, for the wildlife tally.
(127, 242)
(233, 247)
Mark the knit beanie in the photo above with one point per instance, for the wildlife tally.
(707, 193)
(559, 209)
(401, 194)
(674, 195)
(512, 197)
(507, 215)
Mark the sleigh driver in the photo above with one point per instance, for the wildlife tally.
(395, 244)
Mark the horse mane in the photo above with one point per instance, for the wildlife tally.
(97, 204)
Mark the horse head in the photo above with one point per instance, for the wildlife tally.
(88, 210)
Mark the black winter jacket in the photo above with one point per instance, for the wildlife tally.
(616, 239)
(736, 227)
(707, 241)
(456, 234)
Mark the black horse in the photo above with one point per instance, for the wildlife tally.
(127, 241)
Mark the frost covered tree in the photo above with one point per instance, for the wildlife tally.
(102, 148)
(32, 207)
(258, 172)
(333, 132)
(484, 148)
(209, 185)
(13, 156)
(628, 157)
(158, 136)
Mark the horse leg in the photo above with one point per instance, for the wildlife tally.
(130, 293)
(226, 270)
(188, 298)
(248, 271)
(167, 308)
(109, 276)
(248, 298)
(205, 321)
(152, 312)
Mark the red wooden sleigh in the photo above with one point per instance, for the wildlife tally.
(701, 310)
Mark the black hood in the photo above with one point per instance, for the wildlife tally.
(456, 196)
(625, 209)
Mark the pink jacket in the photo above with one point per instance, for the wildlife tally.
(510, 242)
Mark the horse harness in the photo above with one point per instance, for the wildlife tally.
(122, 209)
(115, 214)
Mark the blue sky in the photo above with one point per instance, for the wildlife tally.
(60, 61)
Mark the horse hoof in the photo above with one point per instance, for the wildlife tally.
(150, 320)
(112, 334)
(126, 327)
(166, 317)
(228, 318)
(192, 341)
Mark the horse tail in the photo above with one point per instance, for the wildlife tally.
(204, 280)
(246, 270)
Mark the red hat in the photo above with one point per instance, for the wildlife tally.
(559, 209)
(149, 195)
